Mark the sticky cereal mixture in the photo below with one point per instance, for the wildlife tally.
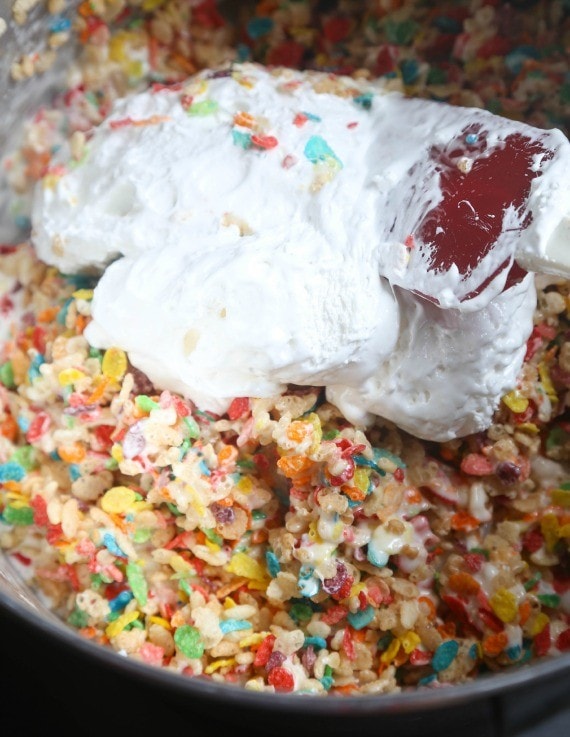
(277, 547)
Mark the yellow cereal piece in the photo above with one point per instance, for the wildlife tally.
(245, 485)
(244, 565)
(70, 376)
(564, 531)
(253, 639)
(391, 651)
(561, 497)
(356, 588)
(314, 533)
(212, 546)
(160, 621)
(117, 48)
(551, 530)
(83, 294)
(361, 479)
(258, 585)
(504, 605)
(515, 402)
(217, 664)
(229, 603)
(195, 500)
(528, 427)
(178, 564)
(114, 364)
(546, 381)
(117, 453)
(409, 641)
(119, 624)
(538, 624)
(118, 500)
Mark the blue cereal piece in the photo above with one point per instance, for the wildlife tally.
(272, 563)
(359, 620)
(111, 544)
(444, 655)
(234, 625)
(120, 601)
(319, 643)
(12, 471)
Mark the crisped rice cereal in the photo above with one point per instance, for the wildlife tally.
(278, 547)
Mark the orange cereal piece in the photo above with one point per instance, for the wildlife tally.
(245, 120)
(494, 645)
(98, 392)
(524, 611)
(463, 583)
(48, 315)
(73, 453)
(353, 492)
(298, 431)
(9, 428)
(227, 454)
(427, 606)
(464, 522)
(292, 466)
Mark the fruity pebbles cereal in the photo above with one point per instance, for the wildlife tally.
(277, 546)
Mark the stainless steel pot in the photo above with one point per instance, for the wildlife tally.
(494, 704)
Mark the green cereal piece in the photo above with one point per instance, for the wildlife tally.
(213, 536)
(7, 375)
(25, 457)
(192, 425)
(19, 516)
(78, 618)
(188, 641)
(552, 601)
(205, 107)
(137, 582)
(300, 612)
(146, 403)
(142, 535)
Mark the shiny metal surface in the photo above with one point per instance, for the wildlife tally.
(17, 101)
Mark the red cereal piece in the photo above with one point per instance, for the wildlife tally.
(103, 437)
(348, 644)
(286, 54)
(238, 408)
(563, 640)
(420, 657)
(38, 427)
(542, 642)
(300, 119)
(334, 615)
(281, 679)
(266, 142)
(264, 651)
(490, 620)
(474, 561)
(54, 533)
(475, 464)
(336, 29)
(532, 540)
(39, 505)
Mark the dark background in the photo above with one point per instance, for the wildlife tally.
(49, 689)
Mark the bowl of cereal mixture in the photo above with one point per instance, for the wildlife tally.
(299, 455)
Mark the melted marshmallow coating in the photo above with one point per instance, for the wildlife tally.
(259, 228)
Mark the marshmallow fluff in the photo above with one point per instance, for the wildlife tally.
(258, 228)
